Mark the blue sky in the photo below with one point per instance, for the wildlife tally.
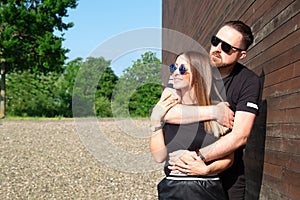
(106, 21)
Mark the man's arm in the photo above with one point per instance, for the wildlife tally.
(183, 114)
(227, 144)
(224, 146)
(196, 166)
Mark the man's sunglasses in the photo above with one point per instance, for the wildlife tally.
(224, 45)
(182, 69)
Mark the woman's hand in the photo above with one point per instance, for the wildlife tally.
(167, 101)
(175, 94)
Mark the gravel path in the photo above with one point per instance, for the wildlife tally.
(44, 159)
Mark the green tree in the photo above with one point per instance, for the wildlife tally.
(143, 99)
(93, 87)
(65, 85)
(107, 83)
(139, 88)
(27, 39)
(105, 88)
(103, 107)
(32, 94)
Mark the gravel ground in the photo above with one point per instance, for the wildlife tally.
(67, 159)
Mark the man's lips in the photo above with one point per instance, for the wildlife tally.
(216, 56)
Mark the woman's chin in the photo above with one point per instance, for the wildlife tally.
(176, 86)
(180, 86)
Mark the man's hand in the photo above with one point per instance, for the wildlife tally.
(224, 115)
(183, 155)
(187, 162)
(180, 158)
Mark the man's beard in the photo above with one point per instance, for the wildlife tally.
(218, 62)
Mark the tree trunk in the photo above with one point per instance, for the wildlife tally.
(3, 90)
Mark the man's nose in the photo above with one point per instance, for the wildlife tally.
(218, 47)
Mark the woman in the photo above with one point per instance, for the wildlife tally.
(192, 78)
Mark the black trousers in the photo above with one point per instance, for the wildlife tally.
(238, 189)
(191, 190)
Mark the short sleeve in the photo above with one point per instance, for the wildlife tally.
(249, 95)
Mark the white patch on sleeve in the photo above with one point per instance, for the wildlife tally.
(252, 105)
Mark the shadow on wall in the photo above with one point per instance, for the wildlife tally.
(254, 151)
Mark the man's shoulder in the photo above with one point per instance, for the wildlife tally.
(245, 71)
(244, 77)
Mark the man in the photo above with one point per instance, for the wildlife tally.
(242, 87)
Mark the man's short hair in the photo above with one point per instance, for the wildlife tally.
(244, 29)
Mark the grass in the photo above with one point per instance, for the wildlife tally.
(35, 118)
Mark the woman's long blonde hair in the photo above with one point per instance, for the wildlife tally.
(201, 83)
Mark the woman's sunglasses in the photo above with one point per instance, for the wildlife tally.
(182, 69)
(224, 45)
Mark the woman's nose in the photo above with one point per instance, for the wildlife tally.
(176, 72)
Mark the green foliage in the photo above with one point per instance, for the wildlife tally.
(27, 38)
(94, 80)
(139, 88)
(86, 88)
(105, 88)
(106, 83)
(38, 83)
(32, 95)
(103, 107)
(65, 85)
(143, 99)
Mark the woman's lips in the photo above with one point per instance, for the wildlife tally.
(177, 79)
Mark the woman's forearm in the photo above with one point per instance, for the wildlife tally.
(157, 146)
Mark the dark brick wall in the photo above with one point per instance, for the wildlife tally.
(273, 150)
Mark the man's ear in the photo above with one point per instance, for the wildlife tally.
(243, 55)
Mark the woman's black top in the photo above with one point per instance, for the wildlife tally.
(185, 137)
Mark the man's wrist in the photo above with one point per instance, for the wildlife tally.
(200, 155)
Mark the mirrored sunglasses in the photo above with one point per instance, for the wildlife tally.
(182, 69)
(224, 45)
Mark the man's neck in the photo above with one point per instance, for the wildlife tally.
(226, 70)
(221, 72)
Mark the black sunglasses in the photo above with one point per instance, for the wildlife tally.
(182, 69)
(224, 45)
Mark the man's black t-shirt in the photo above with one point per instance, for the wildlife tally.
(242, 90)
